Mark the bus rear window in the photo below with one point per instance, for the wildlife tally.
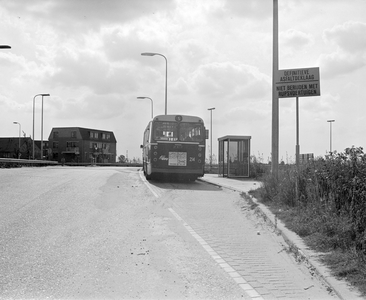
(190, 132)
(183, 131)
(166, 131)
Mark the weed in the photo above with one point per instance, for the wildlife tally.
(250, 201)
(324, 201)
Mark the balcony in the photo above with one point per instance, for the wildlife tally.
(71, 150)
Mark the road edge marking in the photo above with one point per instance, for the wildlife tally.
(247, 288)
(148, 185)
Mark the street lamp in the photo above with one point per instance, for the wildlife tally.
(166, 76)
(211, 109)
(5, 47)
(152, 105)
(34, 98)
(330, 126)
(20, 129)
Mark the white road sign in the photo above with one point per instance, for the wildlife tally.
(297, 83)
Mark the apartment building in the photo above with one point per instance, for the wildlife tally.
(82, 145)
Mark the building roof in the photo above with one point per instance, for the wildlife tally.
(234, 137)
(84, 132)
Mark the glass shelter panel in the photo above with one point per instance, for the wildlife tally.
(234, 159)
(223, 158)
(234, 156)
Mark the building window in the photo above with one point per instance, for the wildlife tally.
(73, 134)
(106, 146)
(108, 135)
(93, 135)
(72, 144)
(55, 134)
(55, 145)
(103, 136)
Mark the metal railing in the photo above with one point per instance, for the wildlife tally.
(13, 162)
(10, 162)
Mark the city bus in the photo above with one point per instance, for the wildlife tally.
(174, 147)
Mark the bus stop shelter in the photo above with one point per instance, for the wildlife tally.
(234, 156)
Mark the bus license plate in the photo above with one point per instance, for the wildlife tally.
(177, 159)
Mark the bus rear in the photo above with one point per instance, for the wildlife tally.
(174, 145)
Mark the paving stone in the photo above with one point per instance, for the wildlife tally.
(265, 270)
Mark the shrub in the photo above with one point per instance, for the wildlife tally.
(330, 195)
(257, 168)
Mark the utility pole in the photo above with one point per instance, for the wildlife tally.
(275, 104)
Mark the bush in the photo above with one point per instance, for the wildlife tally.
(256, 167)
(325, 203)
(329, 196)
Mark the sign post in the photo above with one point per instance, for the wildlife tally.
(297, 83)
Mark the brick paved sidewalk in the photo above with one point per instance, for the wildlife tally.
(248, 249)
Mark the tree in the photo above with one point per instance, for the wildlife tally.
(136, 160)
(121, 159)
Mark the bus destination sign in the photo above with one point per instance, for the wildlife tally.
(297, 83)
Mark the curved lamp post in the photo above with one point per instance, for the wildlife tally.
(330, 125)
(211, 109)
(152, 105)
(34, 98)
(166, 75)
(20, 129)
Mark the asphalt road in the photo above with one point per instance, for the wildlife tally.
(99, 232)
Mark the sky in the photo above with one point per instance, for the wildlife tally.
(87, 55)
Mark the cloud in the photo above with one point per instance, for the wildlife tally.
(92, 71)
(249, 9)
(121, 44)
(339, 63)
(350, 36)
(195, 51)
(320, 106)
(86, 106)
(230, 81)
(295, 40)
(180, 87)
(87, 13)
(250, 116)
(349, 55)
